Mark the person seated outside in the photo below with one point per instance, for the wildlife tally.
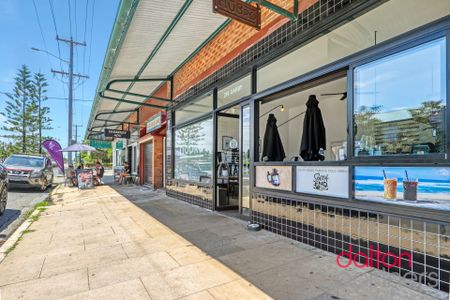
(72, 175)
(125, 173)
(99, 171)
(80, 166)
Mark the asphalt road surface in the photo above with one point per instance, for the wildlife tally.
(19, 202)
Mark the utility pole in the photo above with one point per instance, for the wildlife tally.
(76, 139)
(70, 74)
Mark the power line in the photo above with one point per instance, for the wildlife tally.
(42, 32)
(70, 17)
(90, 40)
(59, 98)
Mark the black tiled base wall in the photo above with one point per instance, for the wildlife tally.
(191, 193)
(336, 229)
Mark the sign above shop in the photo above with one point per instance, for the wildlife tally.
(323, 180)
(155, 122)
(122, 134)
(97, 144)
(239, 11)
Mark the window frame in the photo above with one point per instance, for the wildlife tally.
(384, 53)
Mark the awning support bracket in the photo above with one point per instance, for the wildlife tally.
(102, 95)
(279, 10)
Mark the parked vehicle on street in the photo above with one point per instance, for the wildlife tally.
(3, 189)
(29, 171)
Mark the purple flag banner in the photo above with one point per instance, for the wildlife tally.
(54, 150)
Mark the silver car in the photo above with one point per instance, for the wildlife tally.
(29, 171)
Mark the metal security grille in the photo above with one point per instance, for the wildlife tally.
(284, 38)
(336, 229)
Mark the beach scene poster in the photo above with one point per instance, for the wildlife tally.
(428, 185)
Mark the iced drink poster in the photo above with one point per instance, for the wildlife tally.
(408, 184)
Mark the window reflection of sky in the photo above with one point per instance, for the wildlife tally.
(403, 80)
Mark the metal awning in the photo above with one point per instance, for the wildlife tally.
(151, 39)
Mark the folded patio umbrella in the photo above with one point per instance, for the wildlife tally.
(78, 148)
(313, 138)
(272, 145)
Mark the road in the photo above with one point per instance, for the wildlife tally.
(19, 202)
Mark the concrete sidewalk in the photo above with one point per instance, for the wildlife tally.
(95, 244)
(128, 242)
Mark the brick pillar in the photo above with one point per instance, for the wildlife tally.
(158, 144)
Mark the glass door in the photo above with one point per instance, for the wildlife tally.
(244, 149)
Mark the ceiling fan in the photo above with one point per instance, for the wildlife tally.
(344, 95)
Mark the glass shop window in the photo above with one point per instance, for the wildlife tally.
(193, 152)
(234, 91)
(400, 103)
(194, 109)
(318, 135)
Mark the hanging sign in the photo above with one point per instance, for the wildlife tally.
(122, 134)
(274, 177)
(239, 11)
(323, 180)
(155, 122)
(98, 144)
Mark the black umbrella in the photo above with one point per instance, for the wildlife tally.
(272, 146)
(313, 138)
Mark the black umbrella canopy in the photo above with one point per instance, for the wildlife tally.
(272, 146)
(313, 138)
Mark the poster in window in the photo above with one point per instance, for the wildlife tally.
(408, 185)
(274, 177)
(323, 180)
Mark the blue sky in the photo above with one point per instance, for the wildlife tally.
(20, 31)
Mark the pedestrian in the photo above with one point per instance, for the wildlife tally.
(125, 172)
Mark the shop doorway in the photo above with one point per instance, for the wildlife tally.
(148, 154)
(228, 159)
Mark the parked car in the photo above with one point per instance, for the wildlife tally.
(29, 171)
(3, 189)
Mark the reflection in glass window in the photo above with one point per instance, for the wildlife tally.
(193, 152)
(194, 109)
(400, 103)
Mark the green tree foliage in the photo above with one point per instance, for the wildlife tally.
(25, 117)
(42, 121)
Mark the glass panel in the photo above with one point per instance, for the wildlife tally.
(194, 109)
(390, 19)
(245, 161)
(227, 180)
(400, 103)
(290, 114)
(193, 152)
(234, 91)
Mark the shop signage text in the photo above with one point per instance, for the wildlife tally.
(239, 11)
(100, 144)
(322, 180)
(122, 134)
(155, 122)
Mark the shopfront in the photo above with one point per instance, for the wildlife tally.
(380, 178)
(152, 147)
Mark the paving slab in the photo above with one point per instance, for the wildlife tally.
(96, 244)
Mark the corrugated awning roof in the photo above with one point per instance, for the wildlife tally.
(150, 40)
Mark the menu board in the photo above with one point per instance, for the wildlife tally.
(323, 180)
(426, 185)
(85, 178)
(274, 177)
